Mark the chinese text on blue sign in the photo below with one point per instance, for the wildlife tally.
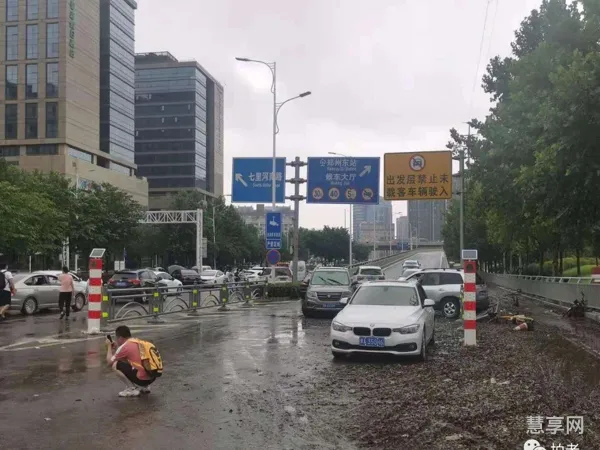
(252, 180)
(273, 230)
(343, 180)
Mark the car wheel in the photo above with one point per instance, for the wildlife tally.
(450, 308)
(423, 354)
(30, 306)
(79, 303)
(337, 355)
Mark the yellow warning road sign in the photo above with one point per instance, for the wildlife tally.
(417, 175)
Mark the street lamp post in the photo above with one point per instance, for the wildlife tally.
(276, 107)
(350, 229)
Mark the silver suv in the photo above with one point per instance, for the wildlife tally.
(327, 287)
(444, 287)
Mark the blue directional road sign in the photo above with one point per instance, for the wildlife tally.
(273, 230)
(252, 180)
(343, 180)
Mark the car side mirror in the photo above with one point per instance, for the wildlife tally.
(344, 301)
(428, 303)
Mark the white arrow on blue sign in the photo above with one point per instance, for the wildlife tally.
(252, 180)
(273, 230)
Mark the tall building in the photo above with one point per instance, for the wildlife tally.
(426, 219)
(380, 232)
(178, 127)
(117, 82)
(50, 103)
(380, 214)
(402, 229)
(256, 217)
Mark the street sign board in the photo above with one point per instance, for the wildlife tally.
(273, 257)
(343, 180)
(273, 228)
(469, 255)
(252, 180)
(417, 176)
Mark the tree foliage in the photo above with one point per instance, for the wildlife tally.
(534, 162)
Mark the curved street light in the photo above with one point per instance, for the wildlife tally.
(276, 107)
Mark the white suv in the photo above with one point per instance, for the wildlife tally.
(368, 273)
(444, 287)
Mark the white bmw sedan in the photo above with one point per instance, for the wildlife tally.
(392, 317)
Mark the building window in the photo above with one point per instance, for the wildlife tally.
(12, 81)
(32, 42)
(12, 10)
(52, 35)
(45, 149)
(11, 119)
(12, 43)
(31, 81)
(51, 80)
(74, 153)
(32, 9)
(51, 119)
(6, 152)
(31, 120)
(52, 9)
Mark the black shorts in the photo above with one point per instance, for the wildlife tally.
(131, 374)
(5, 298)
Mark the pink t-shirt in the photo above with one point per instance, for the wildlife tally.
(130, 352)
(66, 282)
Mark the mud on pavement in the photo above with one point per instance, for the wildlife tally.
(464, 398)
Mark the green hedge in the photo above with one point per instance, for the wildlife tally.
(283, 290)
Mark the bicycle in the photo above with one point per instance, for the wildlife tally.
(578, 308)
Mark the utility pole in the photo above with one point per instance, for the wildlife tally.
(296, 198)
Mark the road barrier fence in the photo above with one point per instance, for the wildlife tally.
(561, 291)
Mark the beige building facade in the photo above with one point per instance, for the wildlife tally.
(50, 103)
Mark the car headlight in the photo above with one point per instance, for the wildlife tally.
(311, 295)
(340, 327)
(410, 329)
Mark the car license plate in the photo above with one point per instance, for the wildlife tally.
(371, 278)
(330, 305)
(121, 284)
(371, 342)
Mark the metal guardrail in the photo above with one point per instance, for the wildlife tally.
(559, 290)
(391, 259)
(119, 305)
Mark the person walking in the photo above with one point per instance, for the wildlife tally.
(7, 290)
(66, 292)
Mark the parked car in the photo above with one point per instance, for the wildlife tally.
(127, 283)
(368, 273)
(276, 275)
(39, 290)
(248, 275)
(327, 287)
(393, 317)
(80, 285)
(444, 287)
(304, 285)
(187, 277)
(213, 277)
(163, 279)
(202, 268)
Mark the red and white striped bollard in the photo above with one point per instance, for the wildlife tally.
(469, 303)
(95, 295)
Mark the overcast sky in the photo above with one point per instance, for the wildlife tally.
(385, 75)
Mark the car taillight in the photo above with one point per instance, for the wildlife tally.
(135, 282)
(111, 281)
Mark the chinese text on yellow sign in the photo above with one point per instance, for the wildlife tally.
(418, 176)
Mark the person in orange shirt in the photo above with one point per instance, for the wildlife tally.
(66, 292)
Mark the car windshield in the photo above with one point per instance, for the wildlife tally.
(124, 276)
(386, 296)
(164, 276)
(370, 271)
(330, 278)
(209, 273)
(411, 263)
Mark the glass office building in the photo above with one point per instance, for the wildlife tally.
(117, 80)
(175, 149)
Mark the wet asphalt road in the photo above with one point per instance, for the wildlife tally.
(232, 381)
